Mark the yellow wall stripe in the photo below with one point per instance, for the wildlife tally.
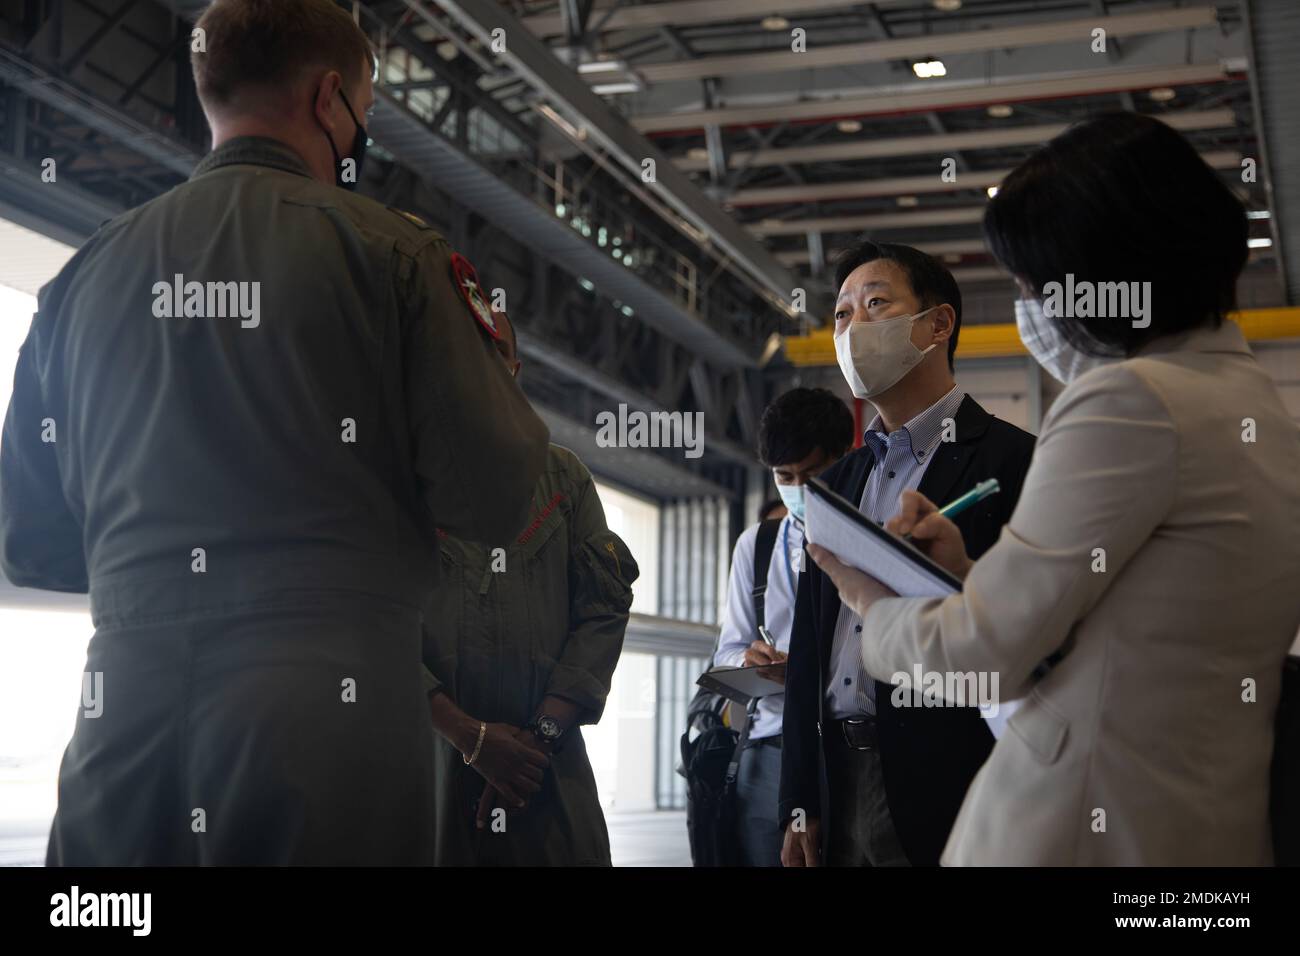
(1001, 339)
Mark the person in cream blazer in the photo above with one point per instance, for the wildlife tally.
(1140, 602)
(1157, 540)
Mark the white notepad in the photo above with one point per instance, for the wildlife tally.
(833, 523)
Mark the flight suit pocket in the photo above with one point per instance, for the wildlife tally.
(1040, 728)
(611, 568)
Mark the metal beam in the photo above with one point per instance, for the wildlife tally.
(92, 41)
(880, 101)
(955, 216)
(531, 58)
(643, 470)
(534, 347)
(868, 148)
(907, 185)
(40, 84)
(452, 170)
(61, 211)
(929, 45)
(162, 57)
(693, 12)
(713, 139)
(649, 634)
(866, 188)
(801, 257)
(1272, 30)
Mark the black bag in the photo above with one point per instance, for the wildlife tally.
(711, 759)
(710, 794)
(1286, 769)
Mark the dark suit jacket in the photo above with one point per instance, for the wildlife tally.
(929, 755)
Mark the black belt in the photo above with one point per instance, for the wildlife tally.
(773, 741)
(858, 733)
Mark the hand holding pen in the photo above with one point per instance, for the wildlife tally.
(930, 528)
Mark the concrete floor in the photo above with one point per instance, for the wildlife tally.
(649, 839)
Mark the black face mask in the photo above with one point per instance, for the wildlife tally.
(359, 143)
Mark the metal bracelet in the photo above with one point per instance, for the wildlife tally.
(482, 732)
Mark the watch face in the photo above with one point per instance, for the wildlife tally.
(548, 727)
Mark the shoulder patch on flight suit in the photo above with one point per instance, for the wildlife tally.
(465, 278)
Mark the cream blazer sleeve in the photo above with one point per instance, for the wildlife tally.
(1101, 480)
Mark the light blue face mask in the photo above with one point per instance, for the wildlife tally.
(792, 495)
(1046, 343)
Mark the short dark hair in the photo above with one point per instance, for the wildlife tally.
(802, 420)
(267, 45)
(1123, 197)
(929, 278)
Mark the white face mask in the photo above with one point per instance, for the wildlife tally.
(875, 355)
(792, 497)
(1043, 338)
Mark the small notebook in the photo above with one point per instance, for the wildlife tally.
(743, 684)
(836, 525)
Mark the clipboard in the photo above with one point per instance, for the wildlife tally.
(741, 684)
(832, 522)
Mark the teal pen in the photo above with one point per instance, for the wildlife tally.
(978, 493)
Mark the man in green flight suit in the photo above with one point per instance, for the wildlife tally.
(521, 640)
(240, 414)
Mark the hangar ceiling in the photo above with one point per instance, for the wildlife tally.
(776, 131)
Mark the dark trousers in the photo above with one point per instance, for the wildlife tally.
(233, 740)
(861, 831)
(758, 795)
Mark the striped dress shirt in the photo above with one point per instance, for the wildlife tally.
(901, 457)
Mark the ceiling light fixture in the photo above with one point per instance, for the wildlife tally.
(926, 69)
(1162, 94)
(947, 6)
(602, 66)
(609, 89)
(774, 23)
(1000, 110)
(849, 126)
(907, 202)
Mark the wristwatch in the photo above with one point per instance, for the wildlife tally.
(546, 729)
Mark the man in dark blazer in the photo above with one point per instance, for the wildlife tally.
(866, 782)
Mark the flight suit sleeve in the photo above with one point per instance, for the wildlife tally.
(601, 573)
(479, 447)
(40, 538)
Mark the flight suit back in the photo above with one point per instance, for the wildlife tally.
(239, 414)
(225, 368)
